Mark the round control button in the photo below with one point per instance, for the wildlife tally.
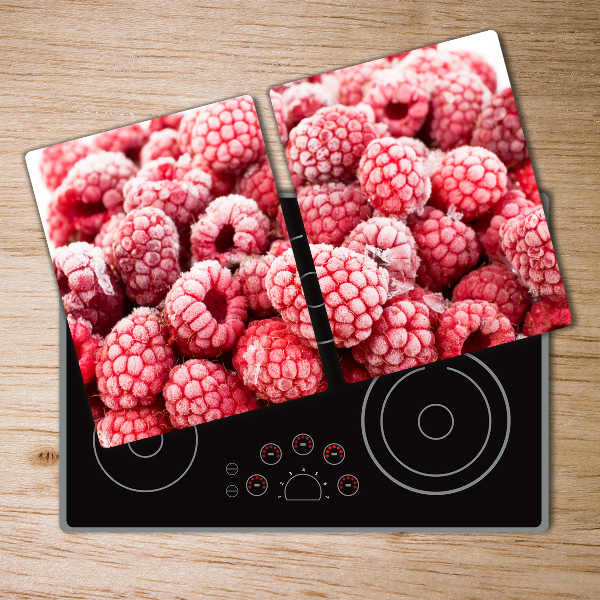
(303, 444)
(231, 469)
(334, 454)
(232, 491)
(256, 485)
(270, 454)
(348, 485)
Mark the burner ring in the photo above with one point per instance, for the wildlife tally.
(440, 437)
(162, 441)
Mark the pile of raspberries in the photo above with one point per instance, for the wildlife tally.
(176, 271)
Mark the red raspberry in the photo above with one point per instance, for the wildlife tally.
(124, 426)
(278, 247)
(304, 99)
(393, 178)
(88, 288)
(498, 129)
(166, 122)
(430, 64)
(104, 238)
(470, 179)
(328, 145)
(134, 361)
(421, 150)
(495, 284)
(251, 276)
(527, 244)
(547, 315)
(86, 344)
(479, 66)
(93, 190)
(352, 370)
(205, 310)
(392, 236)
(354, 290)
(280, 110)
(222, 184)
(297, 182)
(232, 228)
(227, 136)
(128, 140)
(186, 125)
(398, 100)
(512, 204)
(472, 325)
(60, 229)
(447, 248)
(275, 364)
(332, 210)
(199, 391)
(146, 252)
(257, 183)
(352, 81)
(525, 177)
(434, 301)
(56, 161)
(456, 101)
(181, 191)
(161, 143)
(401, 339)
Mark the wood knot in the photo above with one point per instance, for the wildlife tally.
(46, 458)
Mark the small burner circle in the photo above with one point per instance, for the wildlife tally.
(435, 421)
(148, 455)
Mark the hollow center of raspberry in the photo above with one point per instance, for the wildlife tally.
(224, 240)
(476, 341)
(216, 304)
(396, 111)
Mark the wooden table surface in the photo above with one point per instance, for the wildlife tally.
(72, 67)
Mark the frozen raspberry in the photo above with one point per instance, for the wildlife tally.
(104, 238)
(87, 286)
(434, 301)
(393, 178)
(398, 100)
(354, 290)
(199, 391)
(251, 276)
(86, 344)
(472, 325)
(278, 247)
(297, 182)
(134, 360)
(227, 136)
(205, 310)
(232, 228)
(456, 101)
(128, 140)
(498, 129)
(401, 339)
(161, 143)
(525, 177)
(328, 145)
(352, 370)
(391, 236)
(60, 229)
(124, 426)
(352, 81)
(146, 252)
(479, 66)
(190, 168)
(93, 190)
(56, 161)
(274, 363)
(257, 183)
(304, 99)
(430, 64)
(527, 244)
(547, 315)
(470, 179)
(330, 211)
(495, 284)
(421, 150)
(280, 110)
(166, 122)
(512, 204)
(447, 248)
(181, 191)
(186, 125)
(280, 226)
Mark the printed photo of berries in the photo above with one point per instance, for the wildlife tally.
(419, 200)
(162, 236)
